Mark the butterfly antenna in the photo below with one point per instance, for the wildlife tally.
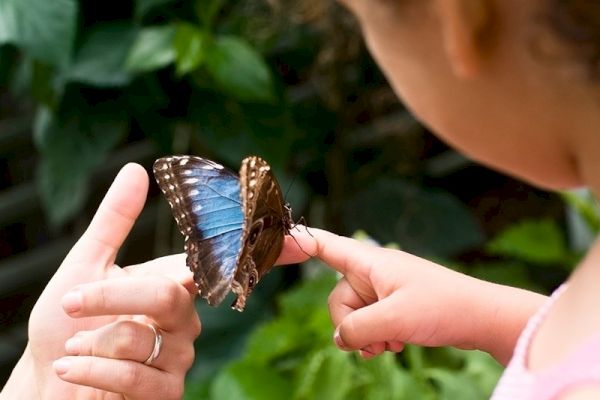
(290, 187)
(301, 220)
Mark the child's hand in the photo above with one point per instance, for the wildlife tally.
(102, 312)
(387, 298)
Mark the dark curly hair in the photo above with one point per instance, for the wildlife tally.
(577, 24)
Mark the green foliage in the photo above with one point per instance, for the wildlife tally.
(101, 56)
(292, 356)
(537, 242)
(586, 207)
(43, 29)
(239, 70)
(153, 49)
(190, 48)
(87, 140)
(143, 6)
(93, 84)
(421, 220)
(226, 79)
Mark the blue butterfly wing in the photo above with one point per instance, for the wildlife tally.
(205, 201)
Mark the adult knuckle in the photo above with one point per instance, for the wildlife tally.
(102, 297)
(125, 338)
(188, 356)
(196, 325)
(130, 377)
(167, 295)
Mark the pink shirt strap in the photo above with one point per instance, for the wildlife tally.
(580, 367)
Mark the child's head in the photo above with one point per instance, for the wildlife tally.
(506, 81)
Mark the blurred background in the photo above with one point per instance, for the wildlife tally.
(86, 87)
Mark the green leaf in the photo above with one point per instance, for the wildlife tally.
(512, 273)
(190, 48)
(273, 339)
(427, 222)
(453, 385)
(71, 150)
(207, 10)
(327, 374)
(152, 49)
(586, 205)
(43, 85)
(384, 378)
(43, 29)
(239, 70)
(539, 242)
(143, 6)
(100, 60)
(232, 130)
(311, 295)
(482, 369)
(242, 381)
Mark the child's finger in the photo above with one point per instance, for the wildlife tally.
(340, 253)
(356, 330)
(344, 300)
(394, 346)
(298, 246)
(130, 378)
(115, 217)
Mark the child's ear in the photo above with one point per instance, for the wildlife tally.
(466, 25)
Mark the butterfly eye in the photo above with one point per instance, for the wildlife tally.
(254, 233)
(252, 279)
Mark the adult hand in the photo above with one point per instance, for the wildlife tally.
(89, 332)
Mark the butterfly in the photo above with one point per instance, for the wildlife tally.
(233, 226)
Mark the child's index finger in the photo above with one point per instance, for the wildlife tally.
(341, 253)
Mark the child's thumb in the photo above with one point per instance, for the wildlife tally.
(368, 325)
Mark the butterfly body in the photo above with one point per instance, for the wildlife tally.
(233, 227)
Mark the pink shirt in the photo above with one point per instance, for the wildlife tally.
(580, 367)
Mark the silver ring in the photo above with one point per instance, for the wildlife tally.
(157, 345)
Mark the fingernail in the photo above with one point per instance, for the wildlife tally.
(73, 345)
(366, 354)
(71, 301)
(61, 366)
(338, 339)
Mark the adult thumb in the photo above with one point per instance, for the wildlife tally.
(114, 218)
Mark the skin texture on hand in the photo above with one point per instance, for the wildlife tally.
(387, 298)
(88, 333)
